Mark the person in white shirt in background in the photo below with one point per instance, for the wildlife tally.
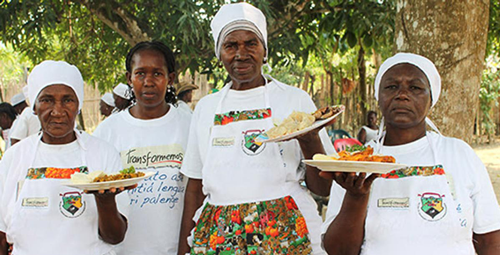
(185, 95)
(369, 131)
(27, 122)
(122, 94)
(7, 116)
(151, 136)
(107, 104)
(38, 213)
(18, 101)
(443, 203)
(244, 196)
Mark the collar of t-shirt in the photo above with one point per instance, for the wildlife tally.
(57, 148)
(168, 117)
(414, 153)
(246, 93)
(240, 100)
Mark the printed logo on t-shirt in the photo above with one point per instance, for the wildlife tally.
(54, 172)
(170, 155)
(431, 206)
(72, 204)
(248, 143)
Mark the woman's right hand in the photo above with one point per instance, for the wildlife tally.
(355, 184)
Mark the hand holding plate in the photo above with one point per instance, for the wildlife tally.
(354, 184)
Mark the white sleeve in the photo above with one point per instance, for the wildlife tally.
(3, 203)
(33, 124)
(99, 132)
(192, 163)
(486, 208)
(115, 165)
(7, 184)
(20, 130)
(337, 194)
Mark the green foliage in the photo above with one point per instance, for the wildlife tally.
(493, 43)
(488, 97)
(11, 66)
(64, 31)
(95, 35)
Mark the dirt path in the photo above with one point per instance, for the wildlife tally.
(490, 155)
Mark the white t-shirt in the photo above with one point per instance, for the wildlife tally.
(39, 214)
(184, 106)
(474, 202)
(156, 204)
(283, 103)
(26, 124)
(371, 134)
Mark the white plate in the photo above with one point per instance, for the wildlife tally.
(354, 166)
(110, 184)
(265, 139)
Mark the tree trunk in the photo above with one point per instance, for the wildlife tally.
(362, 81)
(453, 35)
(117, 18)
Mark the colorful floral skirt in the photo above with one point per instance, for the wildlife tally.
(268, 227)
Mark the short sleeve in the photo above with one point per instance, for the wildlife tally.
(20, 129)
(3, 206)
(115, 165)
(192, 163)
(100, 132)
(337, 194)
(486, 208)
(8, 182)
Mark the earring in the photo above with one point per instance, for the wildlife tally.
(169, 88)
(265, 60)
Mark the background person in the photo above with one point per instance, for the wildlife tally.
(369, 131)
(185, 95)
(18, 101)
(26, 124)
(151, 136)
(443, 203)
(7, 116)
(39, 215)
(107, 104)
(254, 202)
(122, 95)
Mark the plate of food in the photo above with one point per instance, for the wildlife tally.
(299, 123)
(98, 180)
(359, 159)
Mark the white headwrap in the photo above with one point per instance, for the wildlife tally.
(108, 99)
(123, 91)
(424, 64)
(238, 16)
(17, 99)
(51, 72)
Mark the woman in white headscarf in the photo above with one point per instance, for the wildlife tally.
(254, 203)
(122, 95)
(107, 104)
(38, 214)
(443, 203)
